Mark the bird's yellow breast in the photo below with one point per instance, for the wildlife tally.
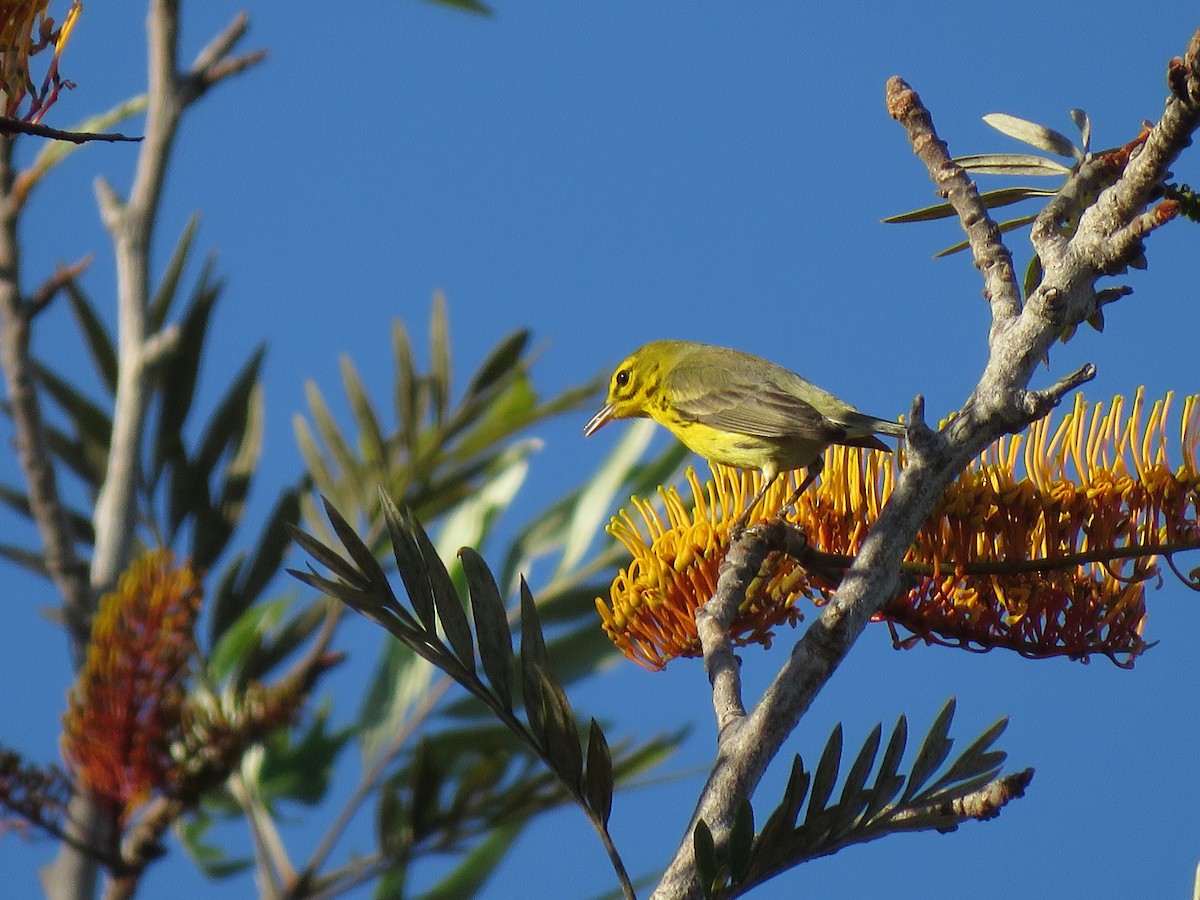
(741, 451)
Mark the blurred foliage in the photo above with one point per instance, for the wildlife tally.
(446, 776)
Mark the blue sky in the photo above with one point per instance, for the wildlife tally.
(611, 173)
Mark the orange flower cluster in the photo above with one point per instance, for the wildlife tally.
(25, 31)
(125, 709)
(1048, 561)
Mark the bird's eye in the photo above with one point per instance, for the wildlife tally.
(622, 378)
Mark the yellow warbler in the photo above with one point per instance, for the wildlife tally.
(737, 409)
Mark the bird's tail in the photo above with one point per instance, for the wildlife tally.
(886, 426)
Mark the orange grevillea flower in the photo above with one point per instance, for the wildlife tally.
(125, 710)
(1044, 545)
(25, 31)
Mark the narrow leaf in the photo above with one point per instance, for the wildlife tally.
(99, 341)
(1033, 134)
(705, 850)
(405, 390)
(933, 752)
(371, 442)
(469, 876)
(439, 356)
(784, 818)
(854, 799)
(446, 600)
(409, 563)
(1011, 164)
(330, 559)
(533, 658)
(359, 552)
(562, 734)
(491, 625)
(825, 776)
(598, 777)
(741, 840)
(503, 359)
(888, 782)
(168, 287)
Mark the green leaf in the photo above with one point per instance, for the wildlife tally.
(825, 776)
(330, 560)
(209, 858)
(212, 531)
(368, 565)
(409, 562)
(372, 444)
(242, 638)
(284, 640)
(335, 441)
(705, 850)
(1011, 164)
(302, 770)
(934, 750)
(28, 559)
(596, 498)
(1033, 134)
(168, 287)
(533, 659)
(398, 685)
(786, 814)
(426, 778)
(233, 417)
(1002, 227)
(469, 877)
(854, 799)
(439, 357)
(91, 423)
(500, 363)
(252, 578)
(1033, 275)
(975, 762)
(95, 334)
(406, 389)
(598, 777)
(991, 199)
(741, 840)
(491, 625)
(471, 6)
(178, 374)
(562, 734)
(446, 601)
(888, 783)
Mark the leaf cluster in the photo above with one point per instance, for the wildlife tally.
(891, 802)
(472, 642)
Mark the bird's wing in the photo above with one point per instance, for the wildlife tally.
(731, 401)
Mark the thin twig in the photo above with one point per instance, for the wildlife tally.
(9, 125)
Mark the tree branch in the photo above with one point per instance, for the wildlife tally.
(1001, 402)
(131, 224)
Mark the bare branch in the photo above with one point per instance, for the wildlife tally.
(991, 256)
(48, 289)
(9, 125)
(981, 805)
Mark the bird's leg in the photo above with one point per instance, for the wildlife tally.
(810, 475)
(740, 525)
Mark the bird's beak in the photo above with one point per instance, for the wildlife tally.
(605, 415)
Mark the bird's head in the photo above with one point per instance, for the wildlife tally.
(634, 384)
